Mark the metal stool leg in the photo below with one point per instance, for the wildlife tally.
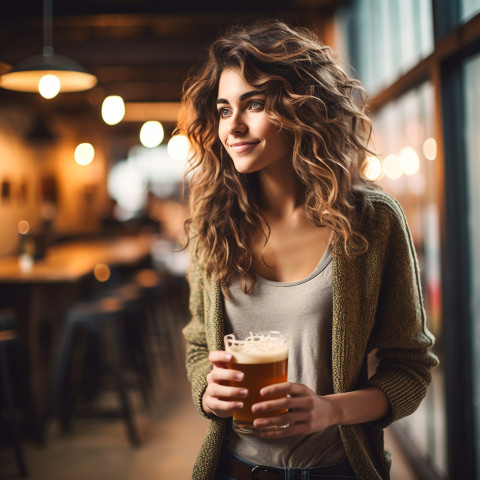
(59, 380)
(117, 347)
(15, 427)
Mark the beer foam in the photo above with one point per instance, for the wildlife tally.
(257, 348)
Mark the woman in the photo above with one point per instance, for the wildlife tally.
(286, 234)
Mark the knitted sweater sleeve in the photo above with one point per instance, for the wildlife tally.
(400, 336)
(197, 364)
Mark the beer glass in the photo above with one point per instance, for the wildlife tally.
(263, 358)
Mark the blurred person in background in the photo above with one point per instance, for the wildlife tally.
(285, 233)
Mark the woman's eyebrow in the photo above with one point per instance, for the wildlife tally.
(242, 97)
(252, 93)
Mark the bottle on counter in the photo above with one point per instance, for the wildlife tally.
(26, 247)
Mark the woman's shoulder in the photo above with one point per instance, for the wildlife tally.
(386, 210)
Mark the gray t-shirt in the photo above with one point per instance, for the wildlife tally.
(303, 309)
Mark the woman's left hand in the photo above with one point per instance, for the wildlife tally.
(307, 411)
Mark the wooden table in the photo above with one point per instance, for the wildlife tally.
(52, 285)
(71, 262)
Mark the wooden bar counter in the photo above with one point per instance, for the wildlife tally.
(41, 296)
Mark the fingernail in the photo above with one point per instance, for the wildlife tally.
(244, 391)
(239, 376)
(228, 357)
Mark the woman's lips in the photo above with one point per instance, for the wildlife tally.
(242, 147)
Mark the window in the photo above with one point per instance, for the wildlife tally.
(425, 94)
(399, 32)
(469, 8)
(404, 138)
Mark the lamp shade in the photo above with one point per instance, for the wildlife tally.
(26, 75)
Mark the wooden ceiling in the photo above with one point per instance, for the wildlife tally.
(142, 49)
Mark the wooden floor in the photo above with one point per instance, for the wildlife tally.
(97, 449)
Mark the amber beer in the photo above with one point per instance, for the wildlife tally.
(263, 358)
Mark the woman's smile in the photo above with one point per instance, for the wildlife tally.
(243, 147)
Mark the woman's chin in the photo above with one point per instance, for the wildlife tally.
(241, 167)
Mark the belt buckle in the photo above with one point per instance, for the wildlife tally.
(262, 468)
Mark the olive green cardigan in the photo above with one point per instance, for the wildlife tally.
(377, 305)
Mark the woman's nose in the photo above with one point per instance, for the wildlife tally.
(237, 125)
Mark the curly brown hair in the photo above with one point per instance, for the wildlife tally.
(322, 112)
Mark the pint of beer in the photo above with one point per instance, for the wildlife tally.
(263, 358)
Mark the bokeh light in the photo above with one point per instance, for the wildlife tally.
(373, 170)
(178, 147)
(101, 271)
(430, 149)
(126, 186)
(23, 227)
(151, 134)
(392, 167)
(113, 109)
(84, 153)
(409, 161)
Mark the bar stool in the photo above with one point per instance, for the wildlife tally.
(136, 336)
(8, 336)
(101, 318)
(162, 322)
(176, 293)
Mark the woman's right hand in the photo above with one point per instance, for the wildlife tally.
(220, 398)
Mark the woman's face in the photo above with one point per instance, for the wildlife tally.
(245, 130)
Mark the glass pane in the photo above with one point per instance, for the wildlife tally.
(404, 138)
(469, 9)
(391, 37)
(472, 141)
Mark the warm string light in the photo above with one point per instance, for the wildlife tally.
(373, 170)
(392, 167)
(407, 162)
(430, 149)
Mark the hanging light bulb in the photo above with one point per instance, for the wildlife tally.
(26, 76)
(113, 109)
(151, 134)
(84, 153)
(49, 86)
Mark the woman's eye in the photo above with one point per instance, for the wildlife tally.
(256, 105)
(223, 112)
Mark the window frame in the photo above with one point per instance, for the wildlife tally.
(454, 42)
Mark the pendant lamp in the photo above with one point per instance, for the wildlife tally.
(53, 72)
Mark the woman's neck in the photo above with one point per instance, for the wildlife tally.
(281, 192)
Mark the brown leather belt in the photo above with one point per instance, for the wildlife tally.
(241, 471)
